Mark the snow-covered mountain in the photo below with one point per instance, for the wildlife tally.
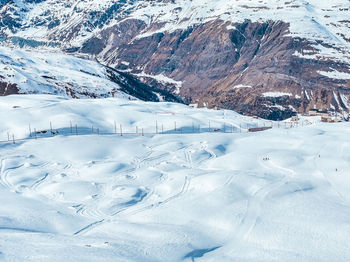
(226, 54)
(33, 72)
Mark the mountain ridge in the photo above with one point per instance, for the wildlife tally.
(219, 54)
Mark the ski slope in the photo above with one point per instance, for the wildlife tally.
(278, 195)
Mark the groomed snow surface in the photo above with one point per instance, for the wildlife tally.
(278, 195)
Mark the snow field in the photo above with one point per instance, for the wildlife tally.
(278, 195)
(110, 115)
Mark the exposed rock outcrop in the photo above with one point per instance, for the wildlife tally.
(234, 66)
(271, 59)
(8, 88)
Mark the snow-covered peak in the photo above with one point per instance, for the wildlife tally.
(315, 20)
(70, 23)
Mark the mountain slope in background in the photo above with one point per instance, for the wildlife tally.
(267, 58)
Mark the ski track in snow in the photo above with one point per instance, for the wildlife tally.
(204, 197)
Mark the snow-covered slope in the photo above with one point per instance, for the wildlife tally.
(39, 111)
(49, 72)
(54, 73)
(279, 195)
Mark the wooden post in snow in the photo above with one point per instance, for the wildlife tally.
(76, 129)
(13, 138)
(35, 133)
(121, 130)
(71, 127)
(30, 131)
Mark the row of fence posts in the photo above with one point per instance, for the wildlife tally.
(159, 129)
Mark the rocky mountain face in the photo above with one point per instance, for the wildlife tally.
(265, 58)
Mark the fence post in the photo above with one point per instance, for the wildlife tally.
(76, 129)
(121, 130)
(51, 127)
(115, 127)
(35, 133)
(92, 129)
(71, 127)
(175, 126)
(30, 131)
(13, 138)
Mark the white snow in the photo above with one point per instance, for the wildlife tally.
(345, 100)
(231, 27)
(169, 197)
(307, 95)
(241, 86)
(163, 79)
(52, 73)
(276, 94)
(335, 74)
